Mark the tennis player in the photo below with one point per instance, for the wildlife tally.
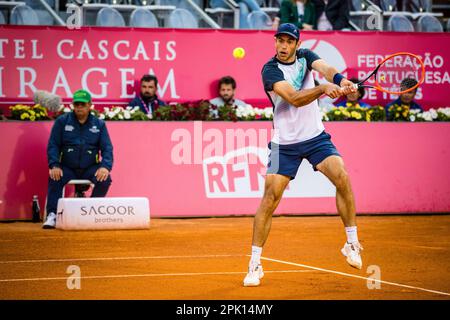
(299, 134)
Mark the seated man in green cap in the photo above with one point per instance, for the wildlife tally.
(79, 148)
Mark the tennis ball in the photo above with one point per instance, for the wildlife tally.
(239, 53)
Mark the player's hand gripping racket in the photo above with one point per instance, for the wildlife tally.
(398, 73)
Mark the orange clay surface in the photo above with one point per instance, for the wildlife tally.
(207, 259)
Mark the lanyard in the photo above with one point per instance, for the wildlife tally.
(147, 108)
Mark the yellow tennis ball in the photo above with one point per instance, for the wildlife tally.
(239, 53)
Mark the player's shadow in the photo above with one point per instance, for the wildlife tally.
(27, 170)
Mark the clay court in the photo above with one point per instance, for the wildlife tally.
(206, 258)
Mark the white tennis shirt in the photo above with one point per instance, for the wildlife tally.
(293, 124)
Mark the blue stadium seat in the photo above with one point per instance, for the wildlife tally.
(24, 15)
(417, 6)
(45, 18)
(34, 4)
(2, 18)
(358, 5)
(388, 5)
(399, 22)
(169, 2)
(259, 20)
(181, 18)
(143, 18)
(429, 23)
(109, 17)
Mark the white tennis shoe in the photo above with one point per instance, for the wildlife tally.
(50, 222)
(352, 252)
(254, 275)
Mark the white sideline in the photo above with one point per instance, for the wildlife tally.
(123, 258)
(150, 275)
(355, 276)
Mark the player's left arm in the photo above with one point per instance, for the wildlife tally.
(332, 74)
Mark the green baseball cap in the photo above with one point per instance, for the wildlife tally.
(81, 96)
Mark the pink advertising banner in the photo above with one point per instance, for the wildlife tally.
(217, 168)
(188, 63)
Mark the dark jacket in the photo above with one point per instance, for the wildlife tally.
(151, 106)
(77, 146)
(337, 12)
(289, 14)
(413, 106)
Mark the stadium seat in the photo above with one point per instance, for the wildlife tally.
(143, 18)
(388, 5)
(169, 2)
(259, 20)
(359, 15)
(24, 15)
(114, 2)
(358, 5)
(429, 23)
(399, 22)
(448, 25)
(2, 18)
(181, 18)
(45, 18)
(37, 5)
(109, 17)
(417, 6)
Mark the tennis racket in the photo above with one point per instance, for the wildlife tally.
(398, 73)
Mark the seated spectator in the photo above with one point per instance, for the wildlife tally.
(76, 141)
(298, 12)
(245, 7)
(147, 100)
(227, 89)
(332, 15)
(406, 98)
(354, 99)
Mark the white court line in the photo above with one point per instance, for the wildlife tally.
(149, 275)
(123, 258)
(355, 276)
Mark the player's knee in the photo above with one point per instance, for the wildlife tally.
(342, 181)
(271, 198)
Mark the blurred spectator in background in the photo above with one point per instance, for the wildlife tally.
(354, 99)
(147, 100)
(301, 13)
(227, 89)
(332, 14)
(406, 98)
(245, 7)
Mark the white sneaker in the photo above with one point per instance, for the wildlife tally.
(352, 252)
(252, 279)
(50, 223)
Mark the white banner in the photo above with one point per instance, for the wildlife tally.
(103, 213)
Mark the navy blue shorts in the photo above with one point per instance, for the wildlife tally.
(286, 159)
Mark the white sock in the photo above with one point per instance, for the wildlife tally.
(352, 234)
(256, 255)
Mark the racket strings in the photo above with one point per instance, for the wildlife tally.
(399, 73)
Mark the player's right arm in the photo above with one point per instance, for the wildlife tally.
(273, 80)
(305, 96)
